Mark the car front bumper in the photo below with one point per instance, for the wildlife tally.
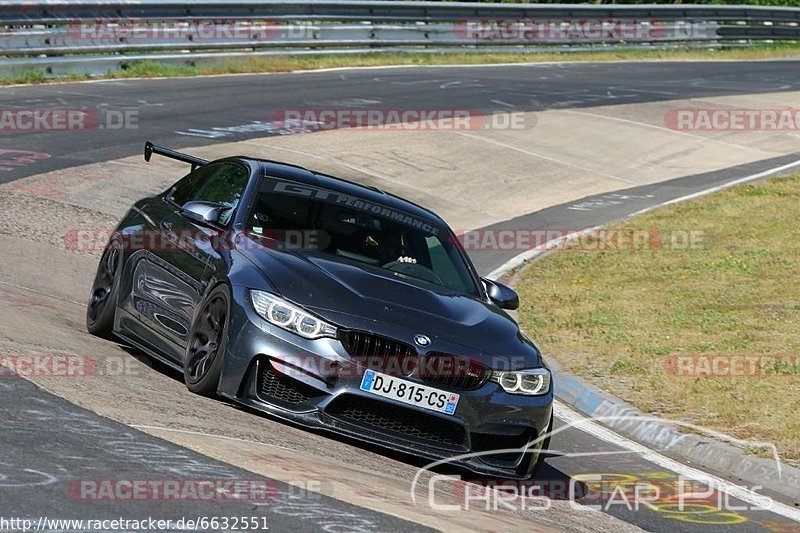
(316, 383)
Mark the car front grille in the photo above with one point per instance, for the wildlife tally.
(453, 372)
(383, 416)
(380, 353)
(361, 344)
(274, 386)
(399, 359)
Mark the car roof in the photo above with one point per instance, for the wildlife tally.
(303, 175)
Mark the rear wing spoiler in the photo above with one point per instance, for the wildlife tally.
(150, 149)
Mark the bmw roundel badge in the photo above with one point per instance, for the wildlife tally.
(422, 340)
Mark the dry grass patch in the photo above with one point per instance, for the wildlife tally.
(288, 63)
(618, 318)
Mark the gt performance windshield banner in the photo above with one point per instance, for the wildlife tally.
(339, 198)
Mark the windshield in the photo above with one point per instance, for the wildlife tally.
(334, 223)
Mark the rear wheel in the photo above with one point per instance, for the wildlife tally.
(202, 364)
(102, 301)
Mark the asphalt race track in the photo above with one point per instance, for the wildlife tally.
(187, 111)
(48, 442)
(68, 441)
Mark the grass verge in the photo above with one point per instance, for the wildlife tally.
(147, 69)
(657, 325)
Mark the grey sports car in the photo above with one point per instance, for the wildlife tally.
(328, 303)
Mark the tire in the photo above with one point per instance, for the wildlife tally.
(102, 305)
(208, 337)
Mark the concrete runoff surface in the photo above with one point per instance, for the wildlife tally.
(465, 176)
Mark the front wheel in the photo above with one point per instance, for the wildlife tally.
(102, 302)
(202, 364)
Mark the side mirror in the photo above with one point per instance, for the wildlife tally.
(206, 213)
(503, 296)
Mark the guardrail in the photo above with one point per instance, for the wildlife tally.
(97, 36)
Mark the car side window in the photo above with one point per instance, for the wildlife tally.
(222, 183)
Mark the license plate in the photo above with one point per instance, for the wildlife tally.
(409, 392)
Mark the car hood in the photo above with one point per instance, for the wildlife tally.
(357, 296)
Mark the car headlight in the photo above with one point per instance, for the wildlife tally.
(533, 382)
(288, 316)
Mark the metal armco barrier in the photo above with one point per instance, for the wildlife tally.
(96, 36)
